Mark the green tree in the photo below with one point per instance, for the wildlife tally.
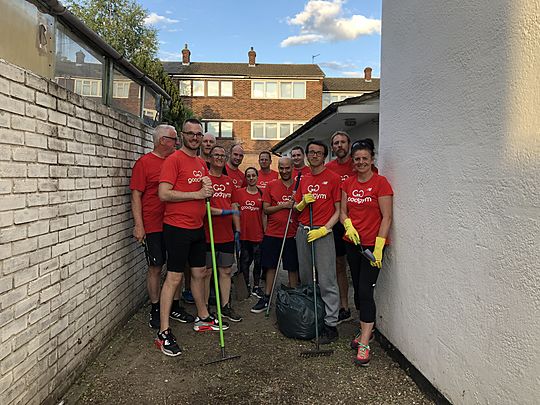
(121, 24)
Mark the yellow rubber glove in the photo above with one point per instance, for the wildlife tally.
(377, 252)
(306, 199)
(351, 232)
(315, 234)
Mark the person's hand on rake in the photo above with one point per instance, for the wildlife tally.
(306, 199)
(351, 232)
(315, 234)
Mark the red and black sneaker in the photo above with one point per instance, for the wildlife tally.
(166, 342)
(363, 356)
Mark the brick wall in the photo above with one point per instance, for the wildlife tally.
(242, 109)
(69, 270)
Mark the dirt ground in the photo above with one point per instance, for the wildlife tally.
(130, 370)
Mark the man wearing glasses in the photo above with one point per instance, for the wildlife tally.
(226, 228)
(184, 185)
(319, 192)
(148, 212)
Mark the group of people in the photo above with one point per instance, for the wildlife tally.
(253, 213)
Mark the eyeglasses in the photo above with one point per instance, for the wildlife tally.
(193, 134)
(217, 156)
(175, 138)
(315, 153)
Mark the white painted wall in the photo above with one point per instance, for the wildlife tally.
(460, 144)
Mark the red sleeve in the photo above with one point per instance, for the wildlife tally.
(169, 170)
(235, 195)
(138, 179)
(385, 188)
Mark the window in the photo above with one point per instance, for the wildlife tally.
(86, 87)
(198, 88)
(329, 98)
(273, 130)
(185, 88)
(120, 89)
(278, 89)
(226, 89)
(219, 129)
(213, 89)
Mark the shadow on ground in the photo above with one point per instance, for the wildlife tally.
(130, 370)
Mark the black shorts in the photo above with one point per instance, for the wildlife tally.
(155, 249)
(270, 248)
(184, 246)
(224, 254)
(338, 230)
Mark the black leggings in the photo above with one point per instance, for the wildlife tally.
(364, 277)
(250, 252)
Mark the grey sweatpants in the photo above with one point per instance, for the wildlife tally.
(325, 263)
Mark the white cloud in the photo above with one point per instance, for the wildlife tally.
(341, 66)
(168, 12)
(174, 56)
(353, 74)
(154, 18)
(324, 21)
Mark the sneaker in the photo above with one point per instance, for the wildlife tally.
(356, 340)
(363, 356)
(260, 306)
(208, 324)
(154, 319)
(166, 342)
(344, 315)
(187, 297)
(229, 313)
(179, 314)
(328, 335)
(257, 292)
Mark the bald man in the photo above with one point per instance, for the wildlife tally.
(208, 142)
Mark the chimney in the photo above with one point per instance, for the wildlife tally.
(367, 74)
(251, 55)
(79, 57)
(185, 55)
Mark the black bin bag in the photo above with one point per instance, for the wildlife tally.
(295, 312)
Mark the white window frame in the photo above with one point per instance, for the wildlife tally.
(279, 95)
(279, 124)
(83, 82)
(339, 97)
(219, 135)
(117, 84)
(184, 86)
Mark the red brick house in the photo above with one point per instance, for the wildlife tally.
(255, 104)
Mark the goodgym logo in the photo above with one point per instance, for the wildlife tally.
(197, 177)
(250, 203)
(218, 187)
(313, 188)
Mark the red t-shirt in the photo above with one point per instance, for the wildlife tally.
(305, 170)
(251, 211)
(265, 178)
(363, 205)
(185, 173)
(276, 193)
(325, 188)
(345, 170)
(145, 178)
(237, 176)
(224, 194)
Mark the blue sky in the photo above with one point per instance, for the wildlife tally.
(345, 34)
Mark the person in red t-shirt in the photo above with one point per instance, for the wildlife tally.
(342, 165)
(148, 211)
(366, 213)
(253, 224)
(225, 218)
(231, 168)
(299, 162)
(208, 142)
(277, 204)
(266, 174)
(183, 186)
(320, 190)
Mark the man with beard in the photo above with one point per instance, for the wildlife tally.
(321, 190)
(225, 218)
(231, 168)
(342, 165)
(277, 203)
(184, 186)
(266, 174)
